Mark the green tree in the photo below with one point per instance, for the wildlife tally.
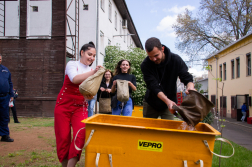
(217, 24)
(135, 55)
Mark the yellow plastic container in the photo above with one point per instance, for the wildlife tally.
(145, 142)
(138, 111)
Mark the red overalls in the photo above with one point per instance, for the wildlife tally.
(70, 110)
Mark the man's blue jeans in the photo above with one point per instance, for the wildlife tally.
(125, 111)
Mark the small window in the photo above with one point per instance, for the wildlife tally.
(101, 34)
(109, 42)
(210, 67)
(9, 19)
(131, 42)
(110, 11)
(39, 19)
(102, 3)
(115, 20)
(120, 27)
(35, 8)
(225, 71)
(85, 7)
(124, 37)
(232, 69)
(102, 49)
(237, 67)
(248, 57)
(221, 71)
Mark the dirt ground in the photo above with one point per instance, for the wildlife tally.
(34, 145)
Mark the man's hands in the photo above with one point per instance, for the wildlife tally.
(167, 101)
(11, 99)
(170, 104)
(189, 86)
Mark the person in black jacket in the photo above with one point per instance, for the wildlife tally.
(105, 87)
(13, 108)
(160, 69)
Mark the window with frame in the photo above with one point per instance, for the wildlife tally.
(120, 27)
(102, 49)
(237, 67)
(220, 71)
(102, 4)
(210, 67)
(85, 7)
(39, 19)
(115, 20)
(9, 19)
(248, 62)
(124, 37)
(224, 72)
(110, 11)
(232, 69)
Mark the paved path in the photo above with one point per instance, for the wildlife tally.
(236, 131)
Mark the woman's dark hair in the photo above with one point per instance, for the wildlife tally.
(118, 69)
(151, 43)
(87, 47)
(104, 79)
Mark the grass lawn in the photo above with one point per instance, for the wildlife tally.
(38, 151)
(43, 154)
(241, 158)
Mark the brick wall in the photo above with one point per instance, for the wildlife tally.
(37, 65)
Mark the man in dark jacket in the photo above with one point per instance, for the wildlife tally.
(6, 95)
(161, 68)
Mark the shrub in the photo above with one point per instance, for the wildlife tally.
(135, 56)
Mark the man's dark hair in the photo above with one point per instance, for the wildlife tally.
(151, 43)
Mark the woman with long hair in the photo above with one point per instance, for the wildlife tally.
(106, 85)
(71, 107)
(122, 72)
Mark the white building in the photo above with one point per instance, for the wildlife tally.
(37, 36)
(204, 84)
(105, 22)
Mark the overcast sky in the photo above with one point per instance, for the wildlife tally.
(154, 18)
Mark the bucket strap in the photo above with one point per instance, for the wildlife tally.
(223, 140)
(185, 163)
(98, 158)
(198, 162)
(88, 140)
(110, 160)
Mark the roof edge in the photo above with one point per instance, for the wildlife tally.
(211, 56)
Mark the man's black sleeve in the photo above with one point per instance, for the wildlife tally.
(150, 79)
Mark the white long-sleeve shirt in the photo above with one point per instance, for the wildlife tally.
(74, 68)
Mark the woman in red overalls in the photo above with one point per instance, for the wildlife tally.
(71, 107)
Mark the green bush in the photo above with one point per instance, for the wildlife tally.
(135, 56)
(209, 118)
